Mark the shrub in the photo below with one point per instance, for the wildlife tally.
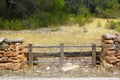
(13, 24)
(114, 25)
(63, 18)
(32, 23)
(46, 19)
(107, 13)
(16, 24)
(6, 25)
(40, 20)
(1, 23)
(82, 20)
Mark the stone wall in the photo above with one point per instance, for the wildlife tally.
(11, 53)
(110, 55)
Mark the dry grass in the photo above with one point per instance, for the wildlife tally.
(69, 35)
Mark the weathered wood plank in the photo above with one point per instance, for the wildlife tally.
(81, 46)
(61, 54)
(94, 54)
(30, 57)
(77, 46)
(43, 46)
(57, 54)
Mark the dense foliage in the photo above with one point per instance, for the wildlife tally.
(29, 14)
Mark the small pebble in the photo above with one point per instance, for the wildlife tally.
(48, 68)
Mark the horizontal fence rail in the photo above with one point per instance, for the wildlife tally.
(64, 46)
(43, 46)
(93, 53)
(67, 54)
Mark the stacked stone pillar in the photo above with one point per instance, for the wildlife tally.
(110, 55)
(11, 53)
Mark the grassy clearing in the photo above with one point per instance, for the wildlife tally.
(69, 35)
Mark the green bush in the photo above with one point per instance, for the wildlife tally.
(82, 20)
(41, 20)
(107, 13)
(32, 23)
(6, 25)
(1, 23)
(16, 24)
(13, 24)
(114, 25)
(46, 19)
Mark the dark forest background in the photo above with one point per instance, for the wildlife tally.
(32, 14)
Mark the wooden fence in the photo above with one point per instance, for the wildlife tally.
(94, 53)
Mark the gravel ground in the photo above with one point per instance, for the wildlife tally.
(79, 69)
(88, 78)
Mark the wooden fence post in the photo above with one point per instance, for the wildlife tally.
(61, 54)
(30, 56)
(94, 54)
